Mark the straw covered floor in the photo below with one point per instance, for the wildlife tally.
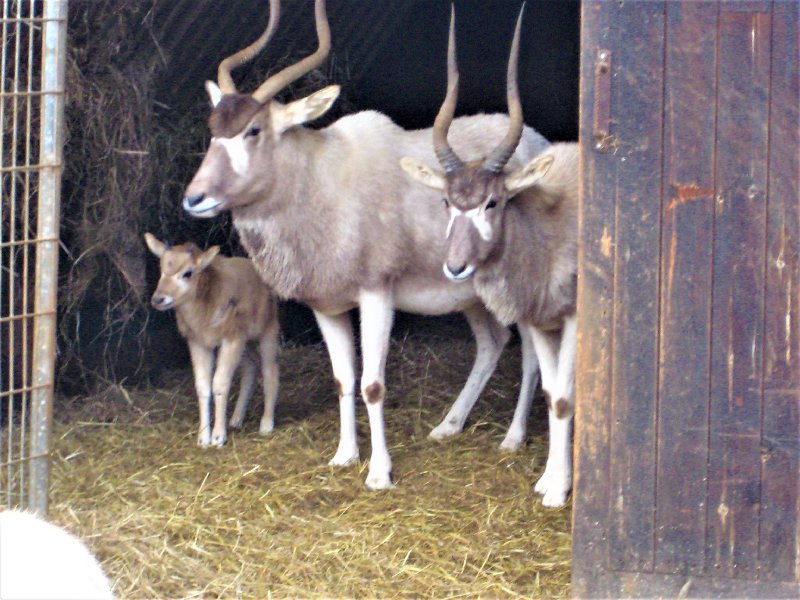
(266, 517)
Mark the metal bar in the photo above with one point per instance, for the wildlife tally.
(20, 316)
(7, 448)
(50, 156)
(23, 389)
(23, 168)
(27, 242)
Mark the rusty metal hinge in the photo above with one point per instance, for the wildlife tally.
(601, 131)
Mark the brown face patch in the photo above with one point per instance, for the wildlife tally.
(232, 115)
(375, 392)
(471, 186)
(178, 258)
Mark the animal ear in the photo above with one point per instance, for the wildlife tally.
(214, 93)
(156, 247)
(528, 175)
(206, 257)
(303, 110)
(419, 171)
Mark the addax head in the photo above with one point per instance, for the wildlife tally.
(246, 129)
(475, 193)
(180, 267)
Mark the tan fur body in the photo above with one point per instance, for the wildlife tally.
(328, 245)
(231, 301)
(530, 276)
(220, 305)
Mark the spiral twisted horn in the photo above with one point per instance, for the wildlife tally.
(446, 155)
(281, 79)
(498, 158)
(224, 78)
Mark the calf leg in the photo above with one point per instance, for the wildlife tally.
(268, 348)
(202, 366)
(247, 383)
(377, 312)
(228, 358)
(490, 339)
(530, 371)
(337, 331)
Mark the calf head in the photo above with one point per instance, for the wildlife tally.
(180, 271)
(247, 129)
(476, 192)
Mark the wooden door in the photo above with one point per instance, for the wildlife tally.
(688, 385)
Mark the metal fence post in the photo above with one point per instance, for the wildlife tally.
(51, 162)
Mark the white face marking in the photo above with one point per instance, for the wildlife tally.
(480, 222)
(465, 274)
(237, 153)
(207, 208)
(478, 218)
(454, 212)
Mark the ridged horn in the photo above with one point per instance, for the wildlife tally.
(500, 155)
(281, 79)
(224, 78)
(444, 153)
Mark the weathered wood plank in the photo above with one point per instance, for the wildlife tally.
(737, 308)
(727, 419)
(620, 584)
(595, 293)
(780, 441)
(637, 95)
(686, 246)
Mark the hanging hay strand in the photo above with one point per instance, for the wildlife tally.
(265, 517)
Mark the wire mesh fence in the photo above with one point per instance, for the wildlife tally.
(31, 107)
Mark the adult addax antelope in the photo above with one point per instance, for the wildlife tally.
(514, 234)
(330, 220)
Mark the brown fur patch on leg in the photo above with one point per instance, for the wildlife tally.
(547, 400)
(563, 409)
(374, 392)
(339, 388)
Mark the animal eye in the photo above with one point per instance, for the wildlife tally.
(252, 132)
(187, 274)
(446, 203)
(491, 203)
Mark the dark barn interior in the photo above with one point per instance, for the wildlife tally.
(137, 71)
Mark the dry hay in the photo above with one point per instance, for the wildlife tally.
(266, 517)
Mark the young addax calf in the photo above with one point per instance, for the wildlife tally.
(515, 234)
(221, 304)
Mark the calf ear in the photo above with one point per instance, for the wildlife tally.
(303, 110)
(419, 171)
(206, 257)
(528, 175)
(156, 247)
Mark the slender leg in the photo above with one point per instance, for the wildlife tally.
(377, 313)
(490, 339)
(228, 358)
(203, 366)
(558, 384)
(337, 331)
(247, 383)
(268, 348)
(559, 460)
(515, 437)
